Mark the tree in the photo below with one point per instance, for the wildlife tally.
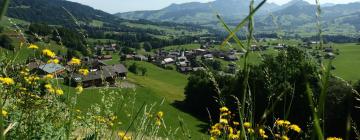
(147, 46)
(133, 68)
(5, 42)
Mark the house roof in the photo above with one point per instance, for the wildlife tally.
(118, 68)
(35, 64)
(51, 67)
(101, 74)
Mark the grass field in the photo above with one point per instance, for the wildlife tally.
(347, 64)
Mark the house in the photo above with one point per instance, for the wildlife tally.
(208, 57)
(140, 58)
(107, 74)
(34, 64)
(94, 78)
(50, 68)
(167, 61)
(185, 69)
(93, 63)
(119, 70)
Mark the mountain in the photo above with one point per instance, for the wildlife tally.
(56, 12)
(296, 15)
(200, 13)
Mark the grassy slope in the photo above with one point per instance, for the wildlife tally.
(157, 85)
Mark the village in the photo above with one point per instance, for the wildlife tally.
(184, 61)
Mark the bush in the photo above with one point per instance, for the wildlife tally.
(133, 68)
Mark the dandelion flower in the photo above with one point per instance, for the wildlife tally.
(48, 53)
(7, 81)
(121, 134)
(4, 113)
(215, 132)
(247, 124)
(224, 121)
(33, 46)
(49, 76)
(160, 114)
(59, 92)
(284, 138)
(75, 61)
(55, 61)
(79, 89)
(295, 128)
(333, 138)
(262, 133)
(224, 109)
(158, 122)
(84, 72)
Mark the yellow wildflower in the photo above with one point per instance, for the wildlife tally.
(33, 46)
(295, 128)
(4, 113)
(234, 136)
(48, 86)
(224, 121)
(262, 133)
(160, 114)
(333, 138)
(286, 122)
(7, 81)
(49, 76)
(279, 122)
(48, 53)
(55, 61)
(121, 134)
(212, 138)
(247, 124)
(224, 109)
(158, 122)
(84, 71)
(284, 138)
(215, 132)
(59, 92)
(79, 89)
(75, 61)
(250, 130)
(236, 123)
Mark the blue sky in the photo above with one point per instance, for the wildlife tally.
(114, 6)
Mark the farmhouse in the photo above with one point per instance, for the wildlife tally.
(119, 70)
(140, 57)
(34, 64)
(107, 74)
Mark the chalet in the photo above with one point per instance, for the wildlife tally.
(94, 78)
(119, 70)
(185, 69)
(107, 74)
(34, 64)
(167, 61)
(208, 57)
(200, 51)
(50, 68)
(93, 63)
(140, 57)
(111, 47)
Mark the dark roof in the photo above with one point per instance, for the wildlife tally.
(101, 74)
(118, 68)
(35, 64)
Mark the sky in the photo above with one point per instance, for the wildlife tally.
(114, 6)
